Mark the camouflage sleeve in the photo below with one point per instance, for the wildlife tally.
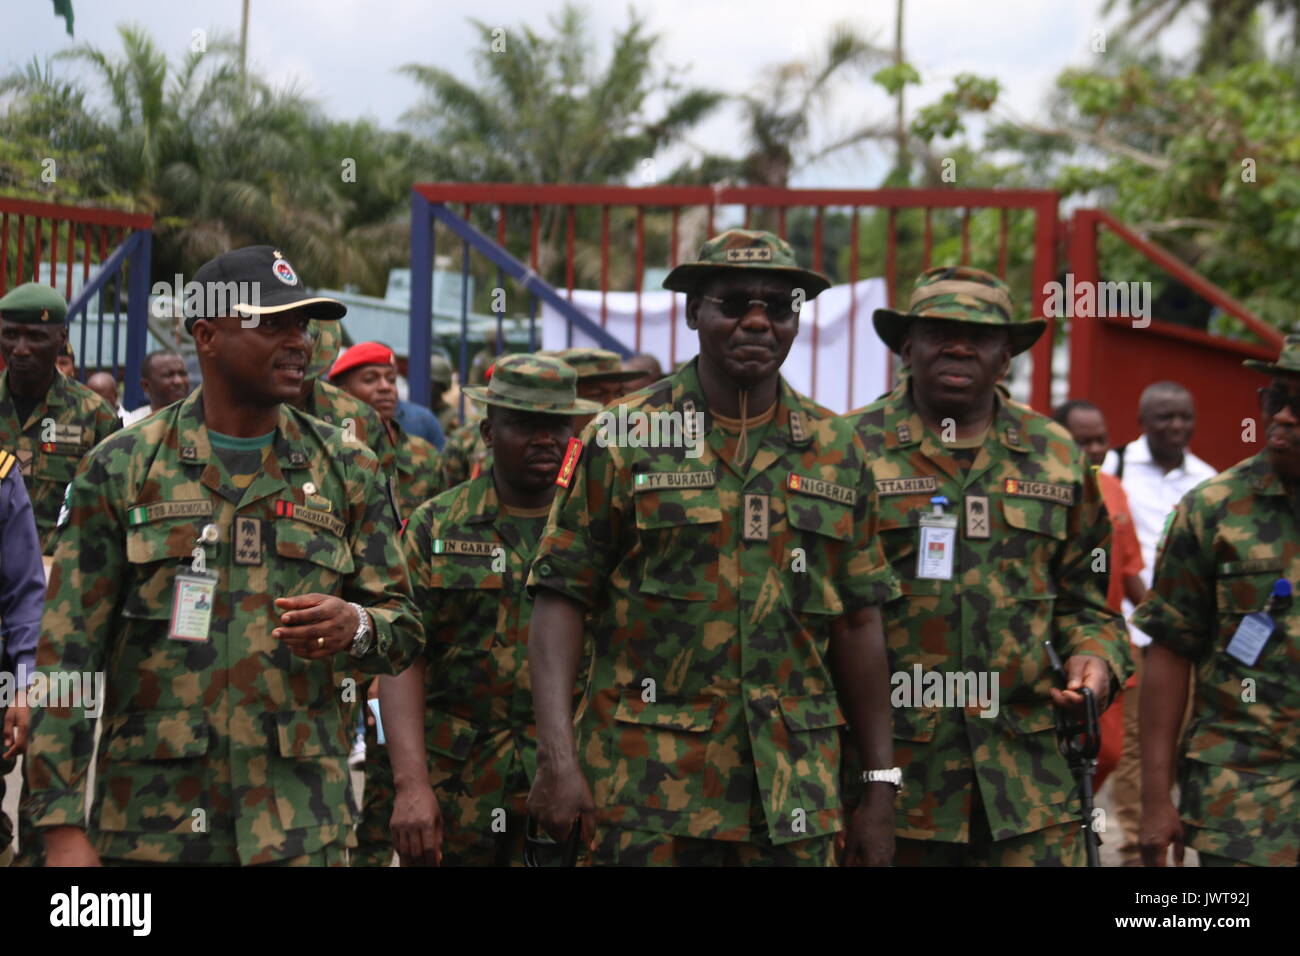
(1085, 623)
(1179, 611)
(107, 421)
(867, 579)
(77, 628)
(380, 443)
(417, 545)
(578, 543)
(380, 583)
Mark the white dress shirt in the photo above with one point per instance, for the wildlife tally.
(130, 418)
(1152, 494)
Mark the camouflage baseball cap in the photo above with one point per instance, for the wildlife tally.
(750, 249)
(33, 303)
(1288, 363)
(327, 340)
(594, 364)
(958, 294)
(533, 383)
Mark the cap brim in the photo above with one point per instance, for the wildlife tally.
(580, 406)
(688, 276)
(621, 376)
(320, 307)
(1269, 368)
(891, 326)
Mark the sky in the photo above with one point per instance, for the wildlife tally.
(344, 53)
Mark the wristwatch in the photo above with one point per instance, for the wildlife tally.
(364, 637)
(893, 775)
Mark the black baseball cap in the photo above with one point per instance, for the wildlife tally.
(263, 275)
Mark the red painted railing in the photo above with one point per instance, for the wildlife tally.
(1112, 360)
(500, 198)
(68, 238)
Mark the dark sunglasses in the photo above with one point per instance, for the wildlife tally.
(1272, 400)
(737, 306)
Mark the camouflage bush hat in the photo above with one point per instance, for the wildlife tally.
(594, 364)
(33, 303)
(533, 383)
(959, 294)
(1288, 363)
(440, 369)
(749, 249)
(327, 340)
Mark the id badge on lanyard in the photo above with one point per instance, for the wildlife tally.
(938, 546)
(193, 595)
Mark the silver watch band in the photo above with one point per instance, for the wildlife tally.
(361, 639)
(894, 775)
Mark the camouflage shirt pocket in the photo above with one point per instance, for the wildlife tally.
(149, 758)
(1243, 587)
(309, 776)
(824, 530)
(1036, 531)
(327, 553)
(679, 534)
(898, 526)
(157, 551)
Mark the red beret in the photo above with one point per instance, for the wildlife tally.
(363, 353)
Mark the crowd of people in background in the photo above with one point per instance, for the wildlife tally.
(541, 650)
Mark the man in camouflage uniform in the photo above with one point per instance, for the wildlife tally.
(440, 379)
(1232, 543)
(368, 371)
(464, 457)
(49, 421)
(732, 575)
(231, 676)
(331, 404)
(469, 701)
(1011, 519)
(601, 376)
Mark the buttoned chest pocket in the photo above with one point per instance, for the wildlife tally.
(899, 527)
(156, 552)
(822, 533)
(680, 533)
(1035, 531)
(59, 465)
(315, 557)
(474, 610)
(1244, 587)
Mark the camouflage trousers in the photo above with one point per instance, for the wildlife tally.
(325, 856)
(462, 846)
(374, 842)
(1213, 859)
(1059, 845)
(1250, 817)
(619, 847)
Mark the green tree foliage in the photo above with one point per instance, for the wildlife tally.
(217, 159)
(548, 108)
(1204, 162)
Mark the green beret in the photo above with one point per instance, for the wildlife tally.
(34, 302)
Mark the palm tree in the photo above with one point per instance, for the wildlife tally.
(545, 111)
(1226, 38)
